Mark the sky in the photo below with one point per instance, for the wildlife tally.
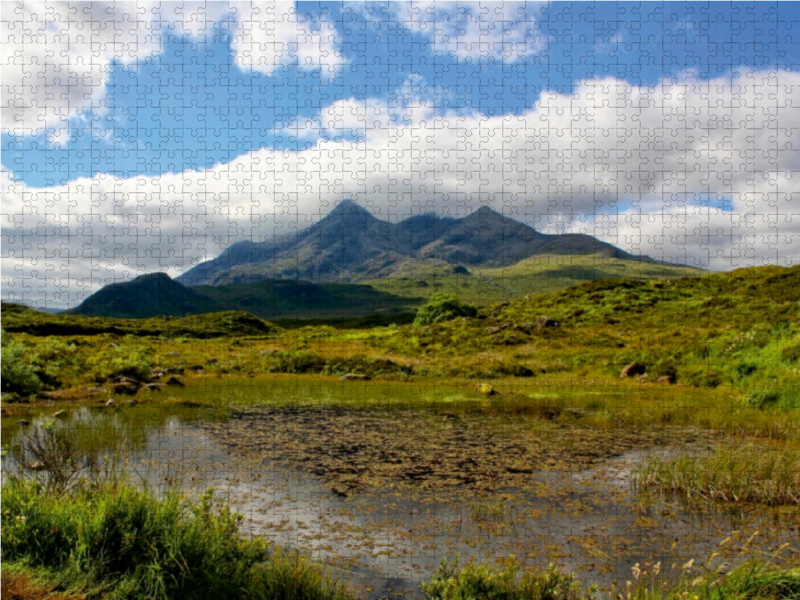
(148, 136)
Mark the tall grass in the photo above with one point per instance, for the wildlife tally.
(732, 572)
(480, 582)
(122, 542)
(747, 473)
(68, 515)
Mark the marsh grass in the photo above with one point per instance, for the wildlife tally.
(748, 473)
(508, 583)
(122, 542)
(734, 571)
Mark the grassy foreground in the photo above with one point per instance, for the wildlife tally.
(122, 542)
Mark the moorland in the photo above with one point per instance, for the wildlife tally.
(656, 419)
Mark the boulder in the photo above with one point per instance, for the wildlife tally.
(545, 321)
(111, 403)
(355, 377)
(129, 387)
(634, 370)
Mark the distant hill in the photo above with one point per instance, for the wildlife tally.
(350, 244)
(159, 295)
(17, 318)
(149, 295)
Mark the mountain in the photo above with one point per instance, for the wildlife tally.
(146, 296)
(156, 295)
(351, 244)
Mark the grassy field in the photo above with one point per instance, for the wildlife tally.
(613, 364)
(482, 286)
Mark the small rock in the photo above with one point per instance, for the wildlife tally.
(355, 377)
(127, 387)
(111, 403)
(633, 370)
(521, 328)
(37, 466)
(545, 321)
(642, 378)
(267, 352)
(496, 330)
(670, 379)
(60, 413)
(130, 403)
(212, 361)
(152, 387)
(24, 422)
(175, 381)
(485, 389)
(95, 389)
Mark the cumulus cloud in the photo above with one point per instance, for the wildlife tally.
(56, 57)
(699, 172)
(474, 30)
(270, 34)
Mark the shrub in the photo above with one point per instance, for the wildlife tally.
(762, 398)
(478, 581)
(19, 375)
(443, 307)
(123, 542)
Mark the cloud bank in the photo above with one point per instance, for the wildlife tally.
(698, 172)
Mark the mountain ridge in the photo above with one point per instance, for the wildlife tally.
(351, 244)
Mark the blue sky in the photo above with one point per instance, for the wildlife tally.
(190, 106)
(144, 136)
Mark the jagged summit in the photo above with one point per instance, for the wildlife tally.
(351, 244)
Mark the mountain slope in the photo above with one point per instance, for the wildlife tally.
(157, 295)
(146, 296)
(350, 244)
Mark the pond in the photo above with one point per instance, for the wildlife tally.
(382, 480)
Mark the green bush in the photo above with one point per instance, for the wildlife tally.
(19, 374)
(479, 582)
(443, 307)
(127, 543)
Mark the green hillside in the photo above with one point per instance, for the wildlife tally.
(146, 296)
(21, 319)
(536, 275)
(276, 299)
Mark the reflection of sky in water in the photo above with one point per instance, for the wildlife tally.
(589, 522)
(586, 522)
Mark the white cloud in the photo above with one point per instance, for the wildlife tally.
(270, 34)
(476, 30)
(629, 164)
(56, 57)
